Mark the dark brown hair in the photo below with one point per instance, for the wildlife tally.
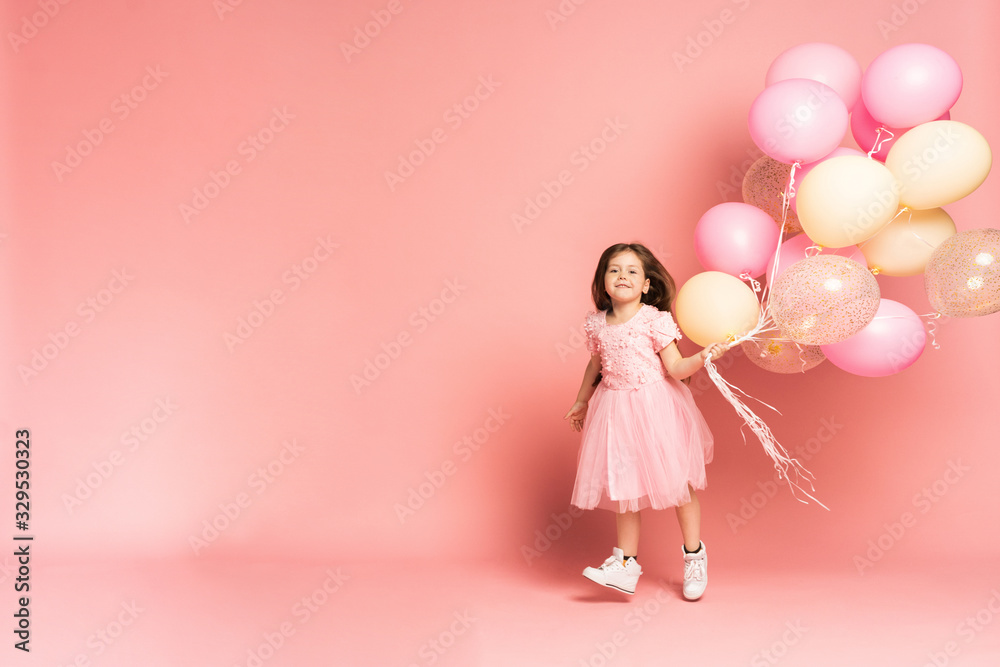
(661, 285)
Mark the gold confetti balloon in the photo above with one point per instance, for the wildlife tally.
(824, 299)
(962, 277)
(772, 352)
(763, 185)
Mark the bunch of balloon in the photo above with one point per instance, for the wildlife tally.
(861, 213)
(881, 209)
(888, 204)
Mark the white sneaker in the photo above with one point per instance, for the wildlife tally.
(695, 572)
(615, 574)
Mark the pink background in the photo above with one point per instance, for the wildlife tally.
(506, 305)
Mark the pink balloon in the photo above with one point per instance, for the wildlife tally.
(801, 172)
(891, 342)
(794, 250)
(864, 128)
(826, 63)
(797, 120)
(735, 238)
(911, 84)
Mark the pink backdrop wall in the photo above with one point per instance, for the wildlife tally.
(231, 167)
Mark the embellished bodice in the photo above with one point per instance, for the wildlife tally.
(630, 350)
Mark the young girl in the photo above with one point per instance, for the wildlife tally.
(644, 441)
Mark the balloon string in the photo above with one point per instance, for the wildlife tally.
(932, 319)
(753, 283)
(813, 250)
(879, 140)
(802, 357)
(784, 464)
(786, 201)
(909, 226)
(901, 211)
(764, 325)
(931, 324)
(791, 180)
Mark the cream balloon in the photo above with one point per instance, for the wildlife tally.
(846, 199)
(939, 162)
(714, 307)
(905, 245)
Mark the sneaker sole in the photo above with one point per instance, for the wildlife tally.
(617, 588)
(697, 597)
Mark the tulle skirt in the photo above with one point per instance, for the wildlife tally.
(641, 448)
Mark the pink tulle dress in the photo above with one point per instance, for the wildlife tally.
(644, 439)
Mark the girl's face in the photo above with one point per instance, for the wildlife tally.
(625, 280)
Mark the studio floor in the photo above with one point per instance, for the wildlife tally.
(227, 613)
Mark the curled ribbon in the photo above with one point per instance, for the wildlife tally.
(879, 140)
(788, 467)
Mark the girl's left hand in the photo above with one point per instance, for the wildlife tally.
(576, 415)
(715, 350)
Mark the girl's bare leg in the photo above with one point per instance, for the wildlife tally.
(689, 518)
(628, 532)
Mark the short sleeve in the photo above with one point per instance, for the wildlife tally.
(663, 330)
(591, 327)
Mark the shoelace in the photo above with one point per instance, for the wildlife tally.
(610, 564)
(694, 569)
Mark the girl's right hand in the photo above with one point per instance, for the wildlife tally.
(715, 350)
(576, 415)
